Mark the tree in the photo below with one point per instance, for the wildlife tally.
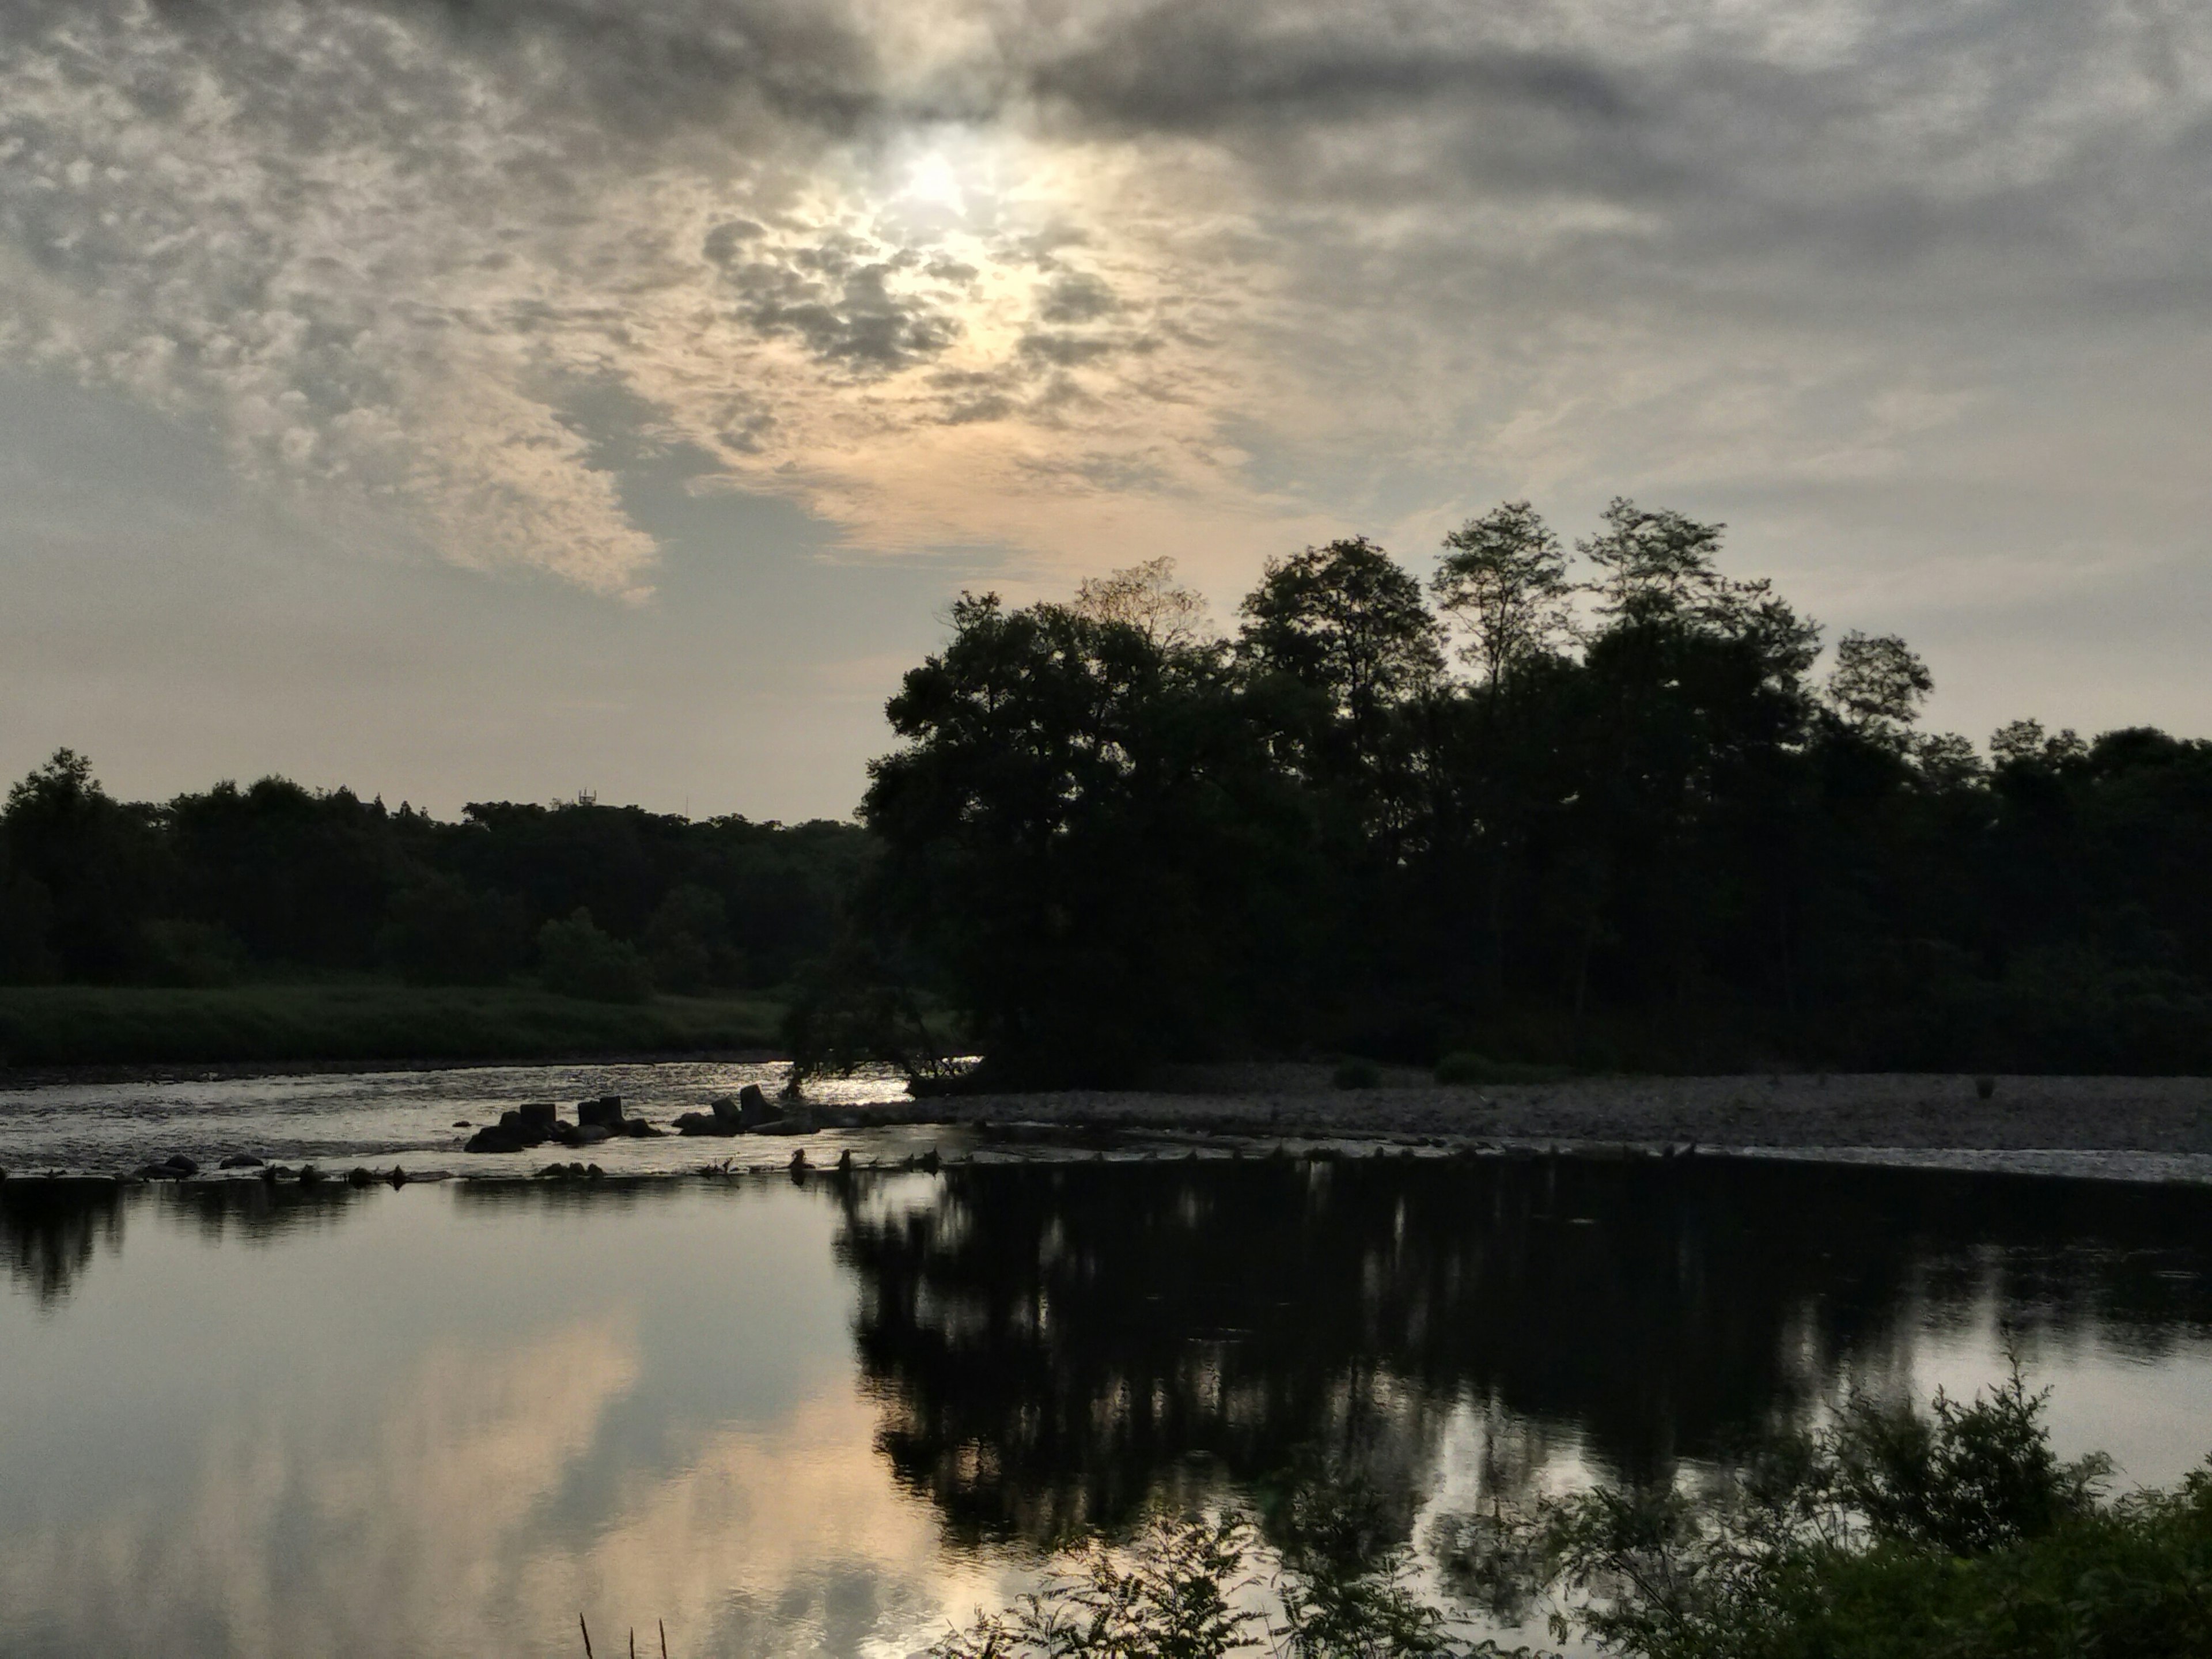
(1878, 685)
(1654, 562)
(1505, 581)
(1067, 830)
(1348, 622)
(100, 863)
(1147, 598)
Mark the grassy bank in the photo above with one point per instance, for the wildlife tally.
(116, 1025)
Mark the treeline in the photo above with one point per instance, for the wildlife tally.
(276, 880)
(1613, 807)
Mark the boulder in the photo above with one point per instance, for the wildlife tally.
(309, 1175)
(540, 1115)
(359, 1177)
(638, 1129)
(591, 1134)
(239, 1161)
(495, 1138)
(181, 1164)
(755, 1108)
(705, 1123)
(726, 1109)
(528, 1125)
(157, 1172)
(604, 1113)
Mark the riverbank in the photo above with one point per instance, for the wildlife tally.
(1912, 1111)
(75, 1033)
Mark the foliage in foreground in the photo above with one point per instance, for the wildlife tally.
(1891, 1535)
(1193, 1589)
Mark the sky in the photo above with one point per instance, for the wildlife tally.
(506, 399)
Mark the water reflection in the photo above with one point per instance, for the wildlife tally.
(824, 1419)
(1050, 1344)
(52, 1228)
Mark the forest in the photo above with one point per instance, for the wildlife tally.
(1608, 807)
(274, 880)
(1605, 806)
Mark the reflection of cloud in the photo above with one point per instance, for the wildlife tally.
(434, 1530)
(288, 1547)
(791, 1534)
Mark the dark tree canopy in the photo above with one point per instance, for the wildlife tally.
(1644, 828)
(275, 878)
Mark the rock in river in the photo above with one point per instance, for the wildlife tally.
(604, 1113)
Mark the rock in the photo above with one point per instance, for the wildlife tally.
(492, 1138)
(753, 1107)
(604, 1113)
(239, 1161)
(726, 1109)
(638, 1129)
(181, 1164)
(309, 1175)
(463, 1123)
(157, 1172)
(269, 1173)
(528, 1125)
(359, 1177)
(538, 1115)
(397, 1177)
(705, 1123)
(566, 1133)
(591, 1134)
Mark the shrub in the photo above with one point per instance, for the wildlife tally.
(1465, 1066)
(576, 959)
(1358, 1074)
(190, 953)
(442, 932)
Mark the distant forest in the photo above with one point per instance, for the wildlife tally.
(277, 881)
(1605, 807)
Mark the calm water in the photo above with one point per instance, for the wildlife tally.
(824, 1419)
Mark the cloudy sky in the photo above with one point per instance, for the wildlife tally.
(501, 399)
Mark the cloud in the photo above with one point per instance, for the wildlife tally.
(1236, 269)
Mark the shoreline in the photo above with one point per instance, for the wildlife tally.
(28, 1078)
(2127, 1128)
(1904, 1111)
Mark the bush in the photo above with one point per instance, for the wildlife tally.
(1890, 1535)
(576, 959)
(1466, 1068)
(1357, 1074)
(190, 953)
(442, 932)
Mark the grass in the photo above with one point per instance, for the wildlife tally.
(127, 1026)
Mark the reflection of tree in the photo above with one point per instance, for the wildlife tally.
(1049, 1343)
(51, 1229)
